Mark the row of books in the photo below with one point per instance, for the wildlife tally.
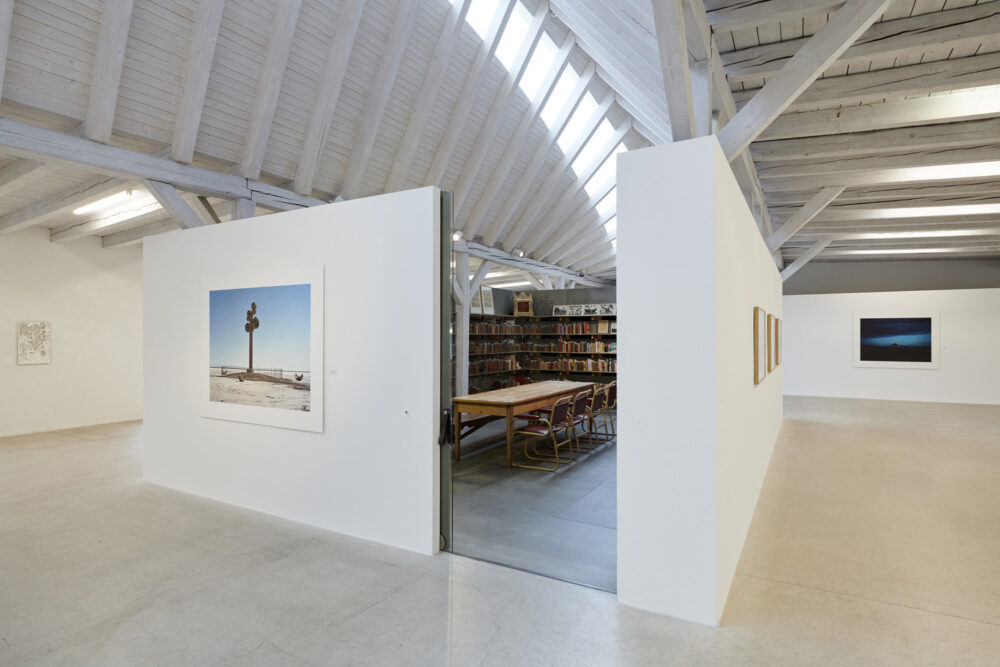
(497, 365)
(574, 365)
(506, 329)
(493, 347)
(573, 347)
(572, 328)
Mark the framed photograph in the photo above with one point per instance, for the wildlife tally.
(558, 311)
(574, 310)
(476, 307)
(607, 309)
(591, 309)
(34, 343)
(911, 340)
(263, 339)
(759, 345)
(771, 357)
(487, 299)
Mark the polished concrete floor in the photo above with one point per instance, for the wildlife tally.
(876, 542)
(562, 524)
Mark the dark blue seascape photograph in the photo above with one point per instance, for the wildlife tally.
(896, 339)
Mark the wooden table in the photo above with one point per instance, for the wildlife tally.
(505, 403)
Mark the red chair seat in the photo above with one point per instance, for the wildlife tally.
(538, 429)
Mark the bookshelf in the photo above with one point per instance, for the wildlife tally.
(504, 349)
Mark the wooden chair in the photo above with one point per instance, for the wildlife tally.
(612, 406)
(547, 426)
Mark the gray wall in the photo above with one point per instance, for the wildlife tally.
(503, 300)
(894, 276)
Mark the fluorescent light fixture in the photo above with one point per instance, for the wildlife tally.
(925, 234)
(911, 212)
(517, 284)
(910, 251)
(110, 201)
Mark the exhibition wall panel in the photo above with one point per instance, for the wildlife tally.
(819, 346)
(373, 470)
(695, 432)
(93, 300)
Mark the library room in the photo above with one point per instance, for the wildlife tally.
(534, 466)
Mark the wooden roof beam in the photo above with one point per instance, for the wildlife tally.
(107, 70)
(793, 268)
(803, 216)
(502, 257)
(671, 41)
(729, 15)
(201, 54)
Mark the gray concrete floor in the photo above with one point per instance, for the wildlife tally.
(875, 542)
(560, 524)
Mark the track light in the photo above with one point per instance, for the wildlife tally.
(518, 252)
(456, 236)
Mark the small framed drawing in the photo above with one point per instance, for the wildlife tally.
(591, 309)
(476, 307)
(607, 309)
(487, 298)
(771, 360)
(559, 311)
(776, 342)
(574, 310)
(262, 339)
(34, 343)
(759, 345)
(911, 340)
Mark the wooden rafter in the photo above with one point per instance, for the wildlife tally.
(173, 203)
(803, 259)
(728, 15)
(802, 217)
(201, 54)
(107, 70)
(501, 257)
(668, 17)
(286, 15)
(38, 212)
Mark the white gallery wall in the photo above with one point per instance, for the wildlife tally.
(93, 299)
(373, 472)
(695, 433)
(819, 330)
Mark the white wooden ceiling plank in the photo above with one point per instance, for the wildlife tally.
(583, 218)
(136, 235)
(752, 14)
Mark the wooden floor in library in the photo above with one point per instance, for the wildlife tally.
(560, 524)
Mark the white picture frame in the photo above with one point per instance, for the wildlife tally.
(34, 343)
(861, 358)
(299, 419)
(560, 311)
(487, 299)
(476, 304)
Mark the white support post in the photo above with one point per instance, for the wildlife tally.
(560, 283)
(803, 216)
(173, 203)
(814, 249)
(463, 305)
(243, 208)
(547, 282)
(477, 280)
(327, 94)
(467, 98)
(571, 285)
(207, 20)
(671, 41)
(818, 53)
(428, 95)
(286, 15)
(107, 70)
(378, 98)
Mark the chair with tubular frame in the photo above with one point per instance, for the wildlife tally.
(597, 408)
(612, 405)
(578, 416)
(548, 426)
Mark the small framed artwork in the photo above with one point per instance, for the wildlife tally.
(608, 309)
(559, 311)
(613, 327)
(776, 342)
(476, 307)
(487, 299)
(591, 309)
(263, 341)
(34, 343)
(910, 341)
(759, 345)
(574, 310)
(770, 343)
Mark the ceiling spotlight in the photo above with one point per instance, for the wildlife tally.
(518, 252)
(456, 236)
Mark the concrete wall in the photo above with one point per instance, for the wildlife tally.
(374, 471)
(93, 298)
(839, 277)
(696, 434)
(818, 346)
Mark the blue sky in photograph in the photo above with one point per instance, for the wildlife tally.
(282, 341)
(902, 331)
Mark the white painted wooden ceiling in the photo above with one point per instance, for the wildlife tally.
(879, 108)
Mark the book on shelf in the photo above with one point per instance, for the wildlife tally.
(602, 327)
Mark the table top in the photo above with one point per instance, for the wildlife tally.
(524, 392)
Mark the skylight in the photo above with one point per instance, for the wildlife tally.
(538, 66)
(591, 150)
(606, 172)
(513, 35)
(608, 204)
(480, 15)
(587, 107)
(560, 96)
(612, 226)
